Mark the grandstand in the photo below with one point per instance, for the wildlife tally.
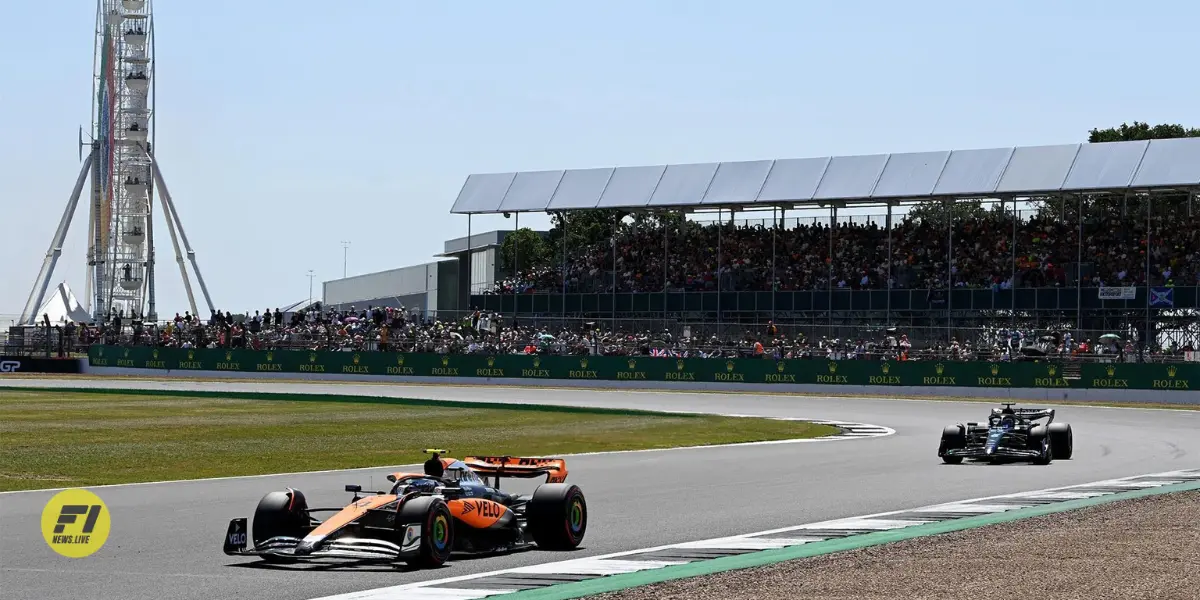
(1088, 238)
(967, 254)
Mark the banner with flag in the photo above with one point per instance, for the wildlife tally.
(1162, 297)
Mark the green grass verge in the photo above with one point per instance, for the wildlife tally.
(68, 438)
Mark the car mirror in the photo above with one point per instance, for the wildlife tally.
(353, 488)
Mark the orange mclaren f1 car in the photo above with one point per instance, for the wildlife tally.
(423, 519)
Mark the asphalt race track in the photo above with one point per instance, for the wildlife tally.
(166, 537)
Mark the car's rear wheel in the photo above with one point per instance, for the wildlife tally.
(1063, 440)
(557, 516)
(280, 514)
(437, 529)
(953, 438)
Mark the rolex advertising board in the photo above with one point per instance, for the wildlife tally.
(1026, 374)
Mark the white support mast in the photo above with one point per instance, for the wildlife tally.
(124, 175)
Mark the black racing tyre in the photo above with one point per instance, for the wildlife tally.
(437, 529)
(557, 516)
(279, 514)
(1039, 439)
(1063, 440)
(953, 438)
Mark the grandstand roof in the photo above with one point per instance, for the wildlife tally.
(1111, 167)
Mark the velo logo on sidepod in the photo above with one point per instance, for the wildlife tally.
(75, 523)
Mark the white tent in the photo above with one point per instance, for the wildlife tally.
(296, 307)
(62, 307)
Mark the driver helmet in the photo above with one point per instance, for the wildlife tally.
(422, 485)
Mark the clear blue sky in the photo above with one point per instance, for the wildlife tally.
(286, 127)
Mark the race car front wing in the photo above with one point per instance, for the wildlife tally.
(357, 549)
(998, 452)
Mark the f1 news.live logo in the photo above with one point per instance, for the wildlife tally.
(69, 515)
(75, 523)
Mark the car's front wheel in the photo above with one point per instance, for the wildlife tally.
(953, 438)
(280, 514)
(437, 529)
(1063, 440)
(1039, 439)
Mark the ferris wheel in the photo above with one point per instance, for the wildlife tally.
(125, 178)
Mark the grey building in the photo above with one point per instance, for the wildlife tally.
(437, 289)
(415, 287)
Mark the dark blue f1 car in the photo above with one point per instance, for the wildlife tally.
(1011, 434)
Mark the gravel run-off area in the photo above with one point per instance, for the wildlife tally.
(1148, 548)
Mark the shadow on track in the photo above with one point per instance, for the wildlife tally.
(378, 567)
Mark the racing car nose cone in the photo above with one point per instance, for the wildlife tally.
(304, 548)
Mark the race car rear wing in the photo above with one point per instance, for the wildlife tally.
(554, 469)
(1029, 414)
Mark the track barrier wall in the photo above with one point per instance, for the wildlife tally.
(1048, 375)
(31, 364)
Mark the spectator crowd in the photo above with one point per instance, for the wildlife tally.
(482, 332)
(1046, 246)
(1113, 254)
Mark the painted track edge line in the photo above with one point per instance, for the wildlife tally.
(624, 581)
